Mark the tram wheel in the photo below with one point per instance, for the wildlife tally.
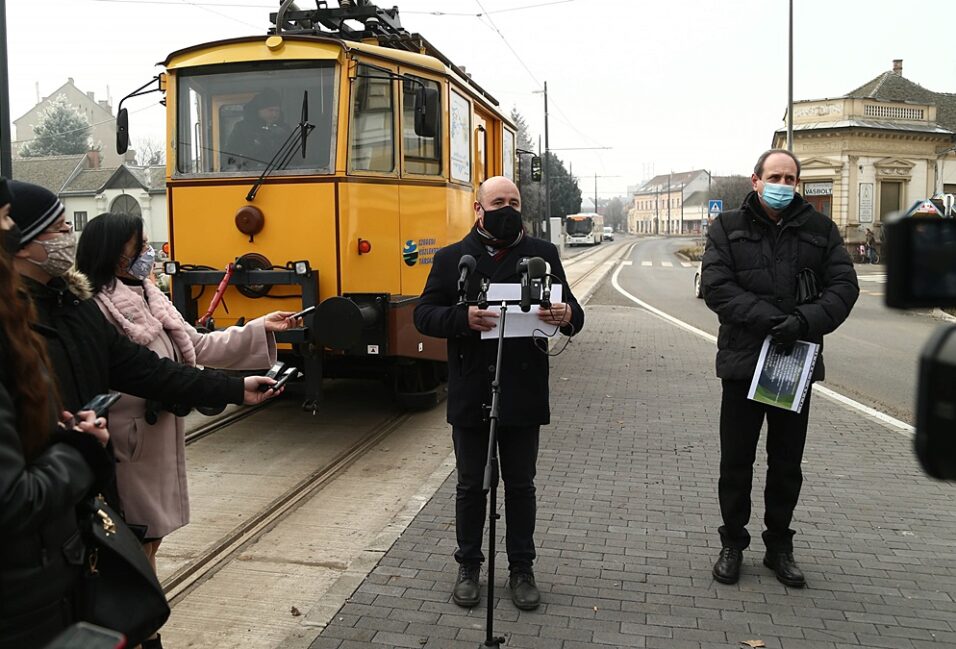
(418, 385)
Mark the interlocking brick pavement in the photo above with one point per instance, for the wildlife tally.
(628, 517)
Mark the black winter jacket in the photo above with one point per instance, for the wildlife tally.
(41, 553)
(90, 356)
(471, 360)
(749, 273)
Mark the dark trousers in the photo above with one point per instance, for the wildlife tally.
(517, 456)
(740, 423)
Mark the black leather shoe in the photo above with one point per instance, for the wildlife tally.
(727, 568)
(785, 568)
(467, 593)
(524, 592)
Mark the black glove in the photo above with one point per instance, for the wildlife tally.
(787, 330)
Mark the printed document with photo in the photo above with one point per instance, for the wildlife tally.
(782, 380)
(519, 324)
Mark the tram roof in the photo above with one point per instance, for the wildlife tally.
(303, 48)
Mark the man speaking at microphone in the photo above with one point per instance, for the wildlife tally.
(498, 243)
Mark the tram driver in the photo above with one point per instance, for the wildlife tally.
(260, 133)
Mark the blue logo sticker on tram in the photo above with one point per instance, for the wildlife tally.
(410, 253)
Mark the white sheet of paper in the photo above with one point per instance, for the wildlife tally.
(517, 323)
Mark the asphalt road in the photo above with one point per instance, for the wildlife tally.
(872, 358)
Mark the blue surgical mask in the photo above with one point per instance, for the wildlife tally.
(142, 266)
(777, 197)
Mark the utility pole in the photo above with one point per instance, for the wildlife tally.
(668, 204)
(790, 87)
(547, 162)
(6, 155)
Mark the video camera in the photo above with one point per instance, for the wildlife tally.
(920, 254)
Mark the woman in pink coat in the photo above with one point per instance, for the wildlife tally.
(148, 439)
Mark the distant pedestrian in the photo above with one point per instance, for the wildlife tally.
(870, 246)
(497, 241)
(749, 274)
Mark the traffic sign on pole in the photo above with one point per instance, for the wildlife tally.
(715, 207)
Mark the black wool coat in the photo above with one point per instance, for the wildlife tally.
(90, 356)
(749, 276)
(471, 360)
(41, 553)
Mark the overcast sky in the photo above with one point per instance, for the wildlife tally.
(669, 85)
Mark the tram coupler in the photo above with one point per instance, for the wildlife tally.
(302, 339)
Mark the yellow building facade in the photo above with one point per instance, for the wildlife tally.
(875, 151)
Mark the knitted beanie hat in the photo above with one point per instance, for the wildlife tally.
(33, 209)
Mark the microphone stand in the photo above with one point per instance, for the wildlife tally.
(490, 484)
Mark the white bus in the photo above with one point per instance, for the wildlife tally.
(584, 229)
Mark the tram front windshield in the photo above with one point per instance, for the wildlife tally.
(233, 119)
(579, 226)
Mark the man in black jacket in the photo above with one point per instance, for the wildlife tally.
(749, 278)
(89, 355)
(498, 242)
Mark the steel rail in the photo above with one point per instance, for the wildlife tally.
(184, 580)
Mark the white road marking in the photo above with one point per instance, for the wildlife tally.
(899, 426)
(686, 264)
(667, 264)
(647, 263)
(627, 263)
(879, 279)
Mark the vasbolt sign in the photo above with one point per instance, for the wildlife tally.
(410, 253)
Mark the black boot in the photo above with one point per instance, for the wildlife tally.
(524, 592)
(467, 593)
(785, 568)
(152, 643)
(727, 568)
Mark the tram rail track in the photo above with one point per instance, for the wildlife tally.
(179, 584)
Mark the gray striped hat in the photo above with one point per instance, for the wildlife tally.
(33, 208)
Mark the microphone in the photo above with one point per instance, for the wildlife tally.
(529, 269)
(546, 287)
(466, 265)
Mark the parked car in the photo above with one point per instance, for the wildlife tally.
(608, 233)
(698, 293)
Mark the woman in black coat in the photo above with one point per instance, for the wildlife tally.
(45, 470)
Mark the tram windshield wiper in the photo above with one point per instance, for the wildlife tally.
(295, 142)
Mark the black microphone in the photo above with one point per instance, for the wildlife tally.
(466, 265)
(529, 269)
(525, 302)
(546, 287)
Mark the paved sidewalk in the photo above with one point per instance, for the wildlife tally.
(627, 519)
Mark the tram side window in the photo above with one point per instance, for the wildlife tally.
(422, 154)
(373, 118)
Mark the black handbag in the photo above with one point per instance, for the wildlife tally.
(119, 589)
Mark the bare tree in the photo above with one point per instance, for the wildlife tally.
(732, 190)
(150, 151)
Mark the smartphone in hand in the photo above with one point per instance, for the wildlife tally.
(288, 374)
(275, 372)
(301, 314)
(101, 403)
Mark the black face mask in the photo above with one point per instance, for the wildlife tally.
(11, 239)
(503, 223)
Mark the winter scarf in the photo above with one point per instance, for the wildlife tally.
(144, 319)
(500, 246)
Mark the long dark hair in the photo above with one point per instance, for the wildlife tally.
(27, 363)
(101, 245)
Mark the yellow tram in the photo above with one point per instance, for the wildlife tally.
(370, 165)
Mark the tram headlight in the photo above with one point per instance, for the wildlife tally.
(171, 267)
(301, 268)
